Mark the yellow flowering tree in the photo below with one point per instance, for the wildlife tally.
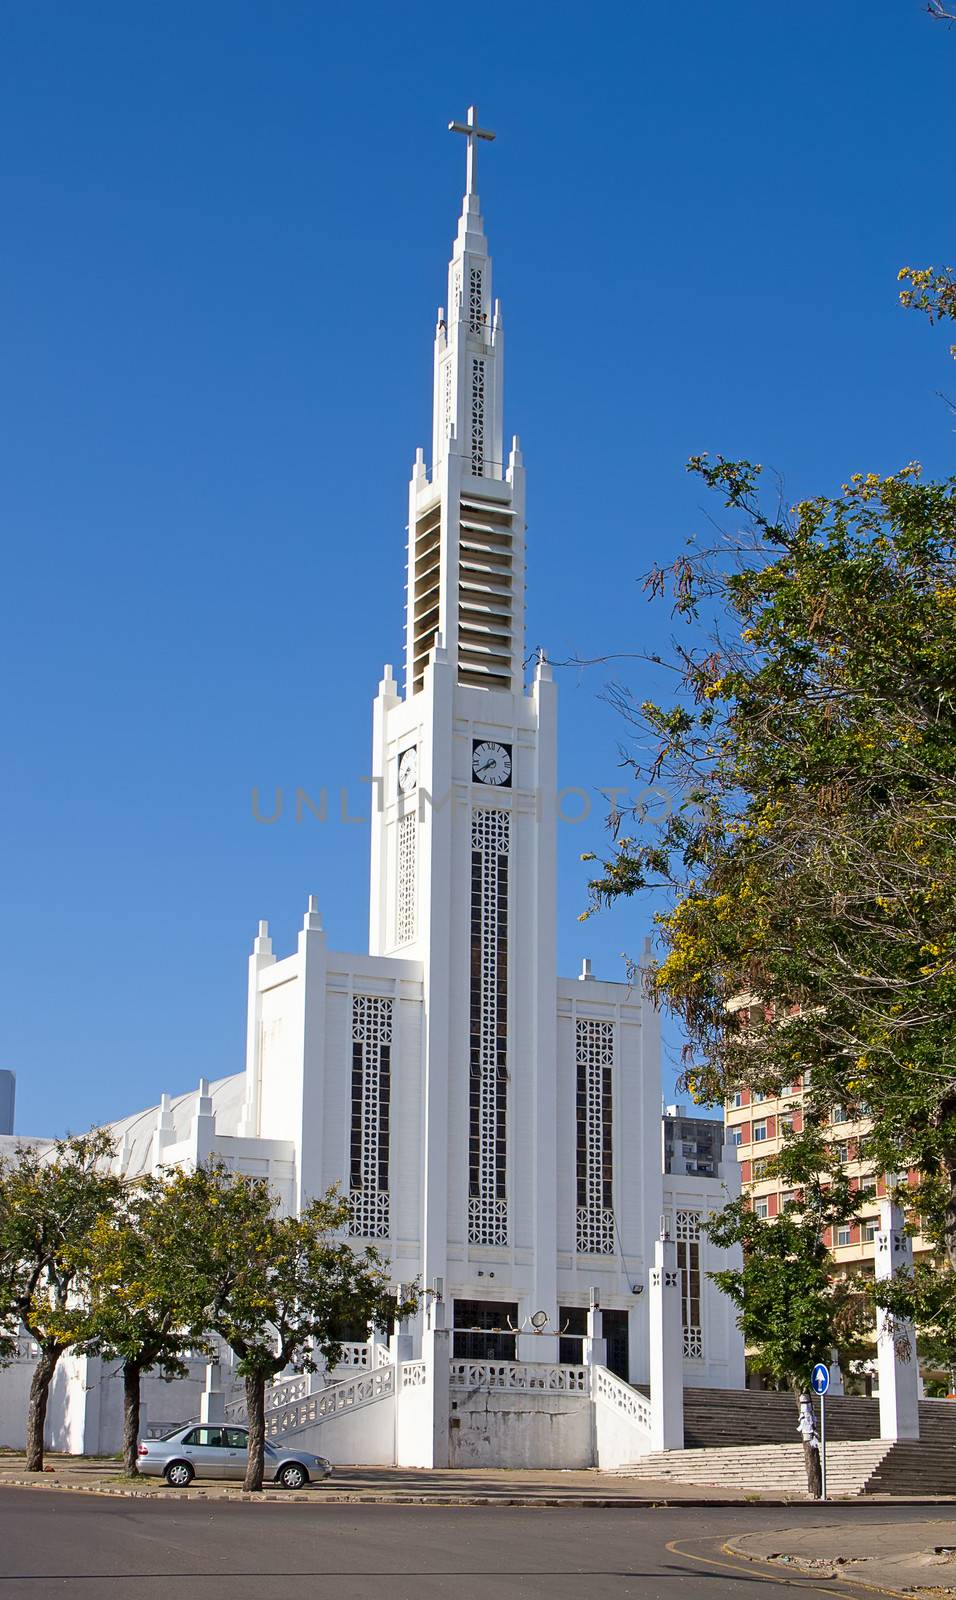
(277, 1289)
(811, 865)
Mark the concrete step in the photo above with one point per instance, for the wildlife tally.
(779, 1467)
(719, 1419)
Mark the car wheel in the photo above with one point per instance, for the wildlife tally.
(293, 1476)
(179, 1474)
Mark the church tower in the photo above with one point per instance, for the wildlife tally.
(463, 835)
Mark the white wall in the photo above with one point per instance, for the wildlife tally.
(364, 1437)
(495, 1428)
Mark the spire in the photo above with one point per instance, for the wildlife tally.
(466, 522)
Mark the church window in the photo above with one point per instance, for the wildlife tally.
(475, 318)
(595, 1175)
(407, 874)
(478, 418)
(371, 1097)
(447, 402)
(687, 1229)
(488, 1040)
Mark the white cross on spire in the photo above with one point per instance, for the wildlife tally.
(472, 133)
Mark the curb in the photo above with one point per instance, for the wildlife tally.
(325, 1497)
(731, 1548)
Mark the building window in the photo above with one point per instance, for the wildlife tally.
(761, 1206)
(838, 1114)
(842, 1151)
(475, 317)
(488, 1054)
(869, 1232)
(760, 1132)
(760, 1167)
(844, 1234)
(478, 418)
(786, 1122)
(687, 1232)
(371, 1095)
(594, 1056)
(735, 1136)
(737, 1100)
(758, 1097)
(788, 1198)
(407, 874)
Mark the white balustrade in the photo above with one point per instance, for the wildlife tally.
(414, 1374)
(622, 1398)
(519, 1375)
(353, 1356)
(331, 1401)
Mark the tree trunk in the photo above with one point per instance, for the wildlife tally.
(131, 1377)
(811, 1457)
(255, 1406)
(36, 1411)
(811, 1444)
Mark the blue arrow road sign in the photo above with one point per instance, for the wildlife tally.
(820, 1378)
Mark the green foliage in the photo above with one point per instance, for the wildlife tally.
(50, 1203)
(792, 1309)
(145, 1301)
(276, 1288)
(812, 865)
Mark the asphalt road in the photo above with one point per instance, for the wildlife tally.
(114, 1549)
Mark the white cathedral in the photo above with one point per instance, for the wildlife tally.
(497, 1128)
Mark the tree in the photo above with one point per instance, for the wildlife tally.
(812, 862)
(50, 1201)
(277, 1289)
(145, 1299)
(792, 1309)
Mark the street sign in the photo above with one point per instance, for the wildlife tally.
(820, 1378)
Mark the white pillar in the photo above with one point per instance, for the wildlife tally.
(435, 1354)
(595, 1344)
(212, 1401)
(667, 1349)
(897, 1364)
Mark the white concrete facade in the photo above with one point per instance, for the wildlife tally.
(497, 1128)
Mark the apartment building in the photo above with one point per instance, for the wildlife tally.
(755, 1127)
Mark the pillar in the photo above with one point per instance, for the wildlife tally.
(595, 1344)
(212, 1401)
(666, 1349)
(897, 1364)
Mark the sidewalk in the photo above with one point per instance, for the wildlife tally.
(389, 1485)
(918, 1555)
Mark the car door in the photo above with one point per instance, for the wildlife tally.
(204, 1448)
(236, 1447)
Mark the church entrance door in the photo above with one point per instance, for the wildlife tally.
(482, 1332)
(573, 1321)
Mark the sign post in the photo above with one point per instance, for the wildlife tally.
(820, 1383)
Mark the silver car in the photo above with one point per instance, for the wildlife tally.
(202, 1451)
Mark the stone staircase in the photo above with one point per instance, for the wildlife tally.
(744, 1439)
(716, 1417)
(774, 1468)
(306, 1401)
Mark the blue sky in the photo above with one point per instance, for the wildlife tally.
(225, 234)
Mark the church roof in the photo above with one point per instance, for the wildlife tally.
(134, 1134)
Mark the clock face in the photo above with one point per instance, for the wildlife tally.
(491, 762)
(408, 770)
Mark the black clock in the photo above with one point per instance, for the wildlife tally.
(491, 762)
